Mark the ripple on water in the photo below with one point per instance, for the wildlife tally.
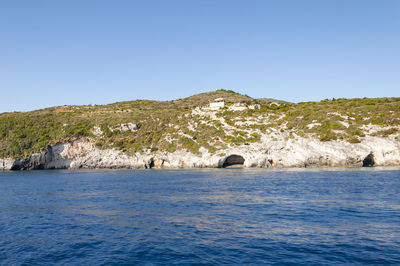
(214, 216)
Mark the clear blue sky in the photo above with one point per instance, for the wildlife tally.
(96, 52)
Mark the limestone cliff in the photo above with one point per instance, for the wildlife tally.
(82, 153)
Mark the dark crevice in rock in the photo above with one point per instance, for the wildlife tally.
(149, 164)
(231, 160)
(369, 161)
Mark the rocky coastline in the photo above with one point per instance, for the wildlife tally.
(209, 130)
(300, 152)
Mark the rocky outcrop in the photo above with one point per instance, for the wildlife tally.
(75, 154)
(6, 164)
(301, 152)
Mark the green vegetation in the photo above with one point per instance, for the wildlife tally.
(171, 125)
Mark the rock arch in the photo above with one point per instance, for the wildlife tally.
(230, 160)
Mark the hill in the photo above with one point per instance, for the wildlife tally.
(144, 126)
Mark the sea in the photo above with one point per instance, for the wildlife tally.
(322, 216)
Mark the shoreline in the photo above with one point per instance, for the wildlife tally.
(82, 153)
(294, 169)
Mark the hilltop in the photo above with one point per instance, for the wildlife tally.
(24, 133)
(144, 127)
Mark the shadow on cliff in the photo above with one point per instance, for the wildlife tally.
(231, 160)
(49, 158)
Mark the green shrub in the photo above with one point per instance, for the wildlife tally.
(328, 136)
(80, 129)
(386, 132)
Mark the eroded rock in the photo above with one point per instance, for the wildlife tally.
(231, 160)
(369, 161)
(82, 153)
(6, 164)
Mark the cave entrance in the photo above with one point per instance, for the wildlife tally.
(233, 160)
(149, 164)
(369, 161)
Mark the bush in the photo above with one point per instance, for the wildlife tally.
(385, 133)
(81, 129)
(328, 136)
(354, 140)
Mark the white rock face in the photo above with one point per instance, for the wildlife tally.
(6, 164)
(97, 131)
(81, 153)
(129, 127)
(303, 152)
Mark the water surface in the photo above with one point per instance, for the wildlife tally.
(215, 216)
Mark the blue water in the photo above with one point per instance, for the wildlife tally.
(216, 216)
